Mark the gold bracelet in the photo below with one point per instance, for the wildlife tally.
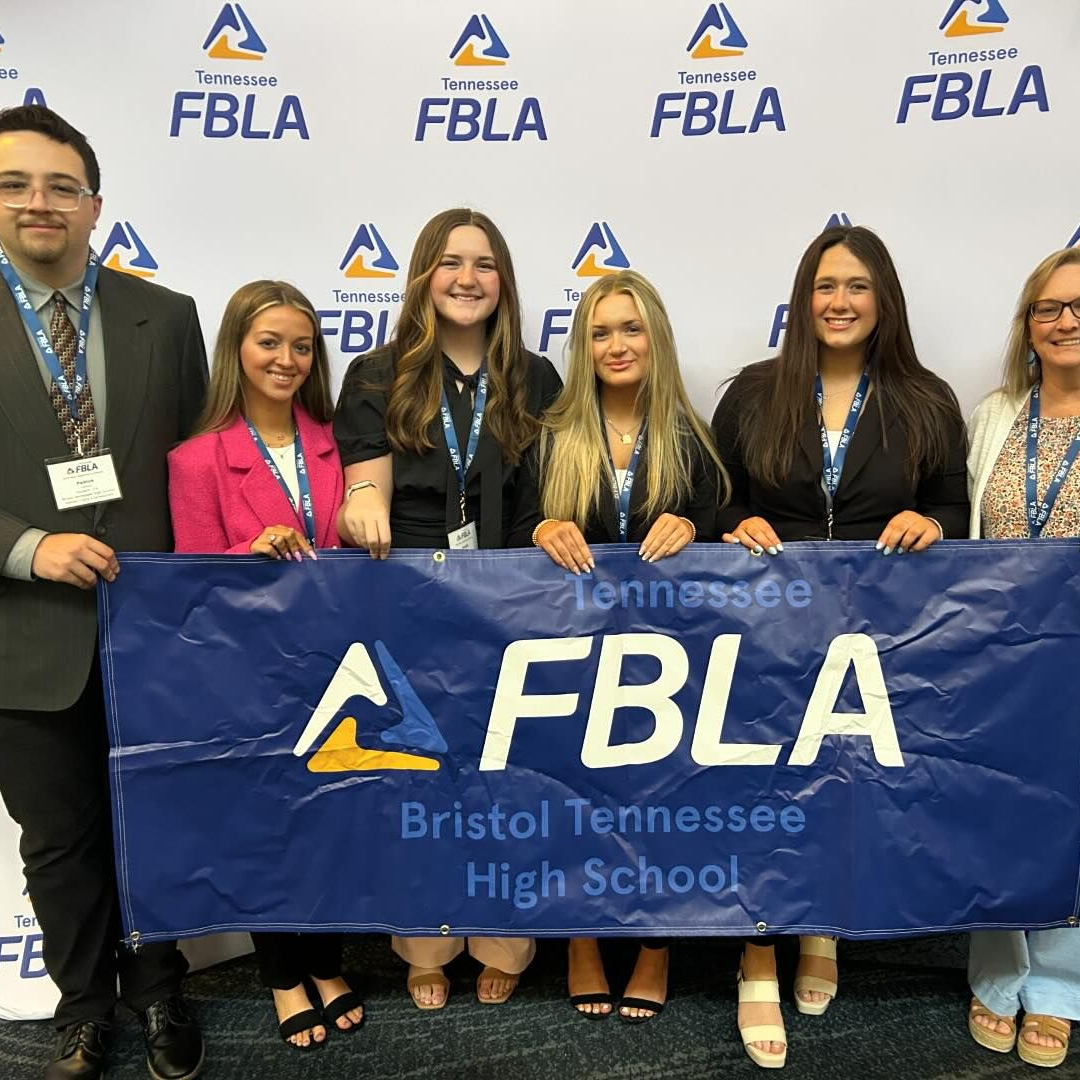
(536, 531)
(693, 529)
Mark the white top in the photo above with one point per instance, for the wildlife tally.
(620, 477)
(834, 441)
(285, 460)
(988, 429)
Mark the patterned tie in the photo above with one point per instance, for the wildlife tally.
(81, 435)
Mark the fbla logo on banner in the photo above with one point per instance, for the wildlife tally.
(737, 109)
(23, 948)
(125, 251)
(31, 96)
(981, 82)
(223, 114)
(780, 315)
(360, 318)
(356, 677)
(492, 118)
(600, 254)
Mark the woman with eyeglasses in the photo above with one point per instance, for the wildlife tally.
(1025, 438)
(843, 436)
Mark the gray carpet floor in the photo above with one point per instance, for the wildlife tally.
(900, 1013)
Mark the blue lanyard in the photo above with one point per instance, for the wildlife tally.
(462, 467)
(1038, 512)
(69, 393)
(307, 508)
(622, 495)
(832, 470)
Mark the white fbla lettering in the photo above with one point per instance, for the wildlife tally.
(597, 751)
(707, 748)
(355, 677)
(859, 651)
(512, 703)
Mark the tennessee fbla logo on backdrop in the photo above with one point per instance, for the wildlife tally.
(24, 949)
(982, 81)
(600, 254)
(356, 677)
(360, 318)
(262, 112)
(125, 251)
(32, 95)
(780, 315)
(495, 117)
(738, 109)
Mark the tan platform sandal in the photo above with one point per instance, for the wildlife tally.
(984, 1036)
(427, 977)
(762, 990)
(816, 972)
(1047, 1056)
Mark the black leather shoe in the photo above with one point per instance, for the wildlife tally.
(174, 1045)
(80, 1051)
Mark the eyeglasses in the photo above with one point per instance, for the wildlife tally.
(1050, 310)
(59, 194)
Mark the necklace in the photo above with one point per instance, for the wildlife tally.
(839, 390)
(625, 437)
(277, 439)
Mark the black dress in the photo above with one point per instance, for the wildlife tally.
(426, 501)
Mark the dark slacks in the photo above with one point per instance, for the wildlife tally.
(286, 959)
(54, 783)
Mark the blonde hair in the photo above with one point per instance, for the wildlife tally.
(225, 394)
(1019, 376)
(573, 447)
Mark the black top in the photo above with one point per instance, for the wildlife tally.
(603, 526)
(874, 485)
(426, 504)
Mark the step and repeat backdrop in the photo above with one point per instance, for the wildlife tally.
(702, 144)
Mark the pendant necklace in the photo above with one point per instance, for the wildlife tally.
(625, 437)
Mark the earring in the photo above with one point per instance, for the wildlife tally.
(1032, 358)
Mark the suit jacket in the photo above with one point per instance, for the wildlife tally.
(874, 485)
(222, 495)
(155, 375)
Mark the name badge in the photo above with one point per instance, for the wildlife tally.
(463, 539)
(83, 481)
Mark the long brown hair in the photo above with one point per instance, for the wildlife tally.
(225, 394)
(416, 390)
(779, 403)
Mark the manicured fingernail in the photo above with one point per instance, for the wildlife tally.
(592, 565)
(757, 549)
(779, 547)
(899, 551)
(878, 546)
(298, 557)
(772, 549)
(887, 551)
(645, 556)
(641, 550)
(314, 557)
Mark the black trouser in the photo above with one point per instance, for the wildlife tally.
(285, 959)
(54, 781)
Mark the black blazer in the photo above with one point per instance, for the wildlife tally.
(603, 524)
(155, 378)
(874, 485)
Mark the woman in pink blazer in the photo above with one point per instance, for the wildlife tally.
(262, 476)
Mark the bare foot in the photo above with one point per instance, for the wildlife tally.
(586, 974)
(330, 990)
(427, 994)
(649, 981)
(289, 1003)
(759, 965)
(992, 1022)
(1033, 1038)
(493, 986)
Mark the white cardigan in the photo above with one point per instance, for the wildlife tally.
(988, 429)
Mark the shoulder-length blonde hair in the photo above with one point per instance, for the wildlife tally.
(416, 390)
(225, 394)
(1019, 376)
(574, 450)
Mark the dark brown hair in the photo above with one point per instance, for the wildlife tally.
(45, 122)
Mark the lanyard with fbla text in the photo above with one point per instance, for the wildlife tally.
(1038, 511)
(622, 495)
(306, 509)
(68, 392)
(833, 468)
(462, 467)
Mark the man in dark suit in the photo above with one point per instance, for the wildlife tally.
(108, 379)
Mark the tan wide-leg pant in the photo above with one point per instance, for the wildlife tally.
(510, 954)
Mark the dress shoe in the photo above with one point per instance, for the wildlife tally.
(174, 1045)
(80, 1051)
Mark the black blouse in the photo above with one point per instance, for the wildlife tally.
(874, 486)
(426, 502)
(603, 524)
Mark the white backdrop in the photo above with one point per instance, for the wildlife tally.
(702, 144)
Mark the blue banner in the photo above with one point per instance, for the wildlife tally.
(471, 742)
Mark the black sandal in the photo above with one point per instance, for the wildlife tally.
(657, 1007)
(593, 999)
(302, 1021)
(337, 1008)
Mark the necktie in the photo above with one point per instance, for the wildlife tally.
(81, 435)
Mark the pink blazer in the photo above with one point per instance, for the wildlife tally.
(222, 495)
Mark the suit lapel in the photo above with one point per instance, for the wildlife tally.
(263, 494)
(865, 443)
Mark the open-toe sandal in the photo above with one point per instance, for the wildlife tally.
(759, 990)
(816, 972)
